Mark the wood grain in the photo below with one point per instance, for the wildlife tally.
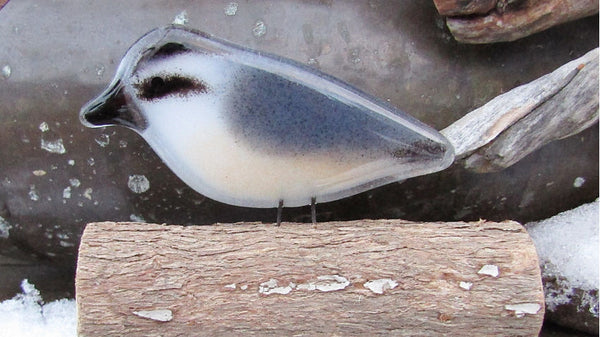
(377, 278)
(520, 121)
(462, 7)
(487, 21)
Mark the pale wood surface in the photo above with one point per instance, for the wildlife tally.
(300, 279)
(487, 21)
(514, 124)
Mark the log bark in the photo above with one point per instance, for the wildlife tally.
(514, 124)
(376, 278)
(487, 21)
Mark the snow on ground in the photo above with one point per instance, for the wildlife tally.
(567, 245)
(27, 315)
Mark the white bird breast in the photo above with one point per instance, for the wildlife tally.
(267, 130)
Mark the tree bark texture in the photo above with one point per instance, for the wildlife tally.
(514, 124)
(487, 21)
(369, 277)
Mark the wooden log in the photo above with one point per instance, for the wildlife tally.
(485, 21)
(514, 124)
(376, 278)
(462, 7)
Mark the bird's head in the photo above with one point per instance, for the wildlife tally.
(167, 75)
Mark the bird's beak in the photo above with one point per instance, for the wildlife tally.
(112, 108)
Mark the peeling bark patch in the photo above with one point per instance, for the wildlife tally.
(381, 285)
(323, 283)
(489, 269)
(160, 315)
(326, 283)
(465, 285)
(523, 309)
(272, 287)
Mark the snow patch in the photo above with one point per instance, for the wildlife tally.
(578, 182)
(259, 29)
(100, 69)
(88, 193)
(180, 19)
(44, 127)
(138, 183)
(567, 245)
(66, 244)
(6, 71)
(103, 140)
(136, 218)
(5, 228)
(231, 9)
(53, 146)
(33, 193)
(74, 182)
(27, 315)
(67, 192)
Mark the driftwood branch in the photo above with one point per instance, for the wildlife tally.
(514, 124)
(462, 7)
(385, 277)
(486, 21)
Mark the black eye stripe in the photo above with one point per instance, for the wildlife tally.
(170, 49)
(162, 86)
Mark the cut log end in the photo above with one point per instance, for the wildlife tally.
(347, 278)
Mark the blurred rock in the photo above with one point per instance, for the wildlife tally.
(552, 330)
(56, 175)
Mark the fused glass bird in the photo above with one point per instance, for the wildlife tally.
(256, 130)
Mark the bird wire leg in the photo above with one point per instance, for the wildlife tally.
(313, 210)
(279, 211)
